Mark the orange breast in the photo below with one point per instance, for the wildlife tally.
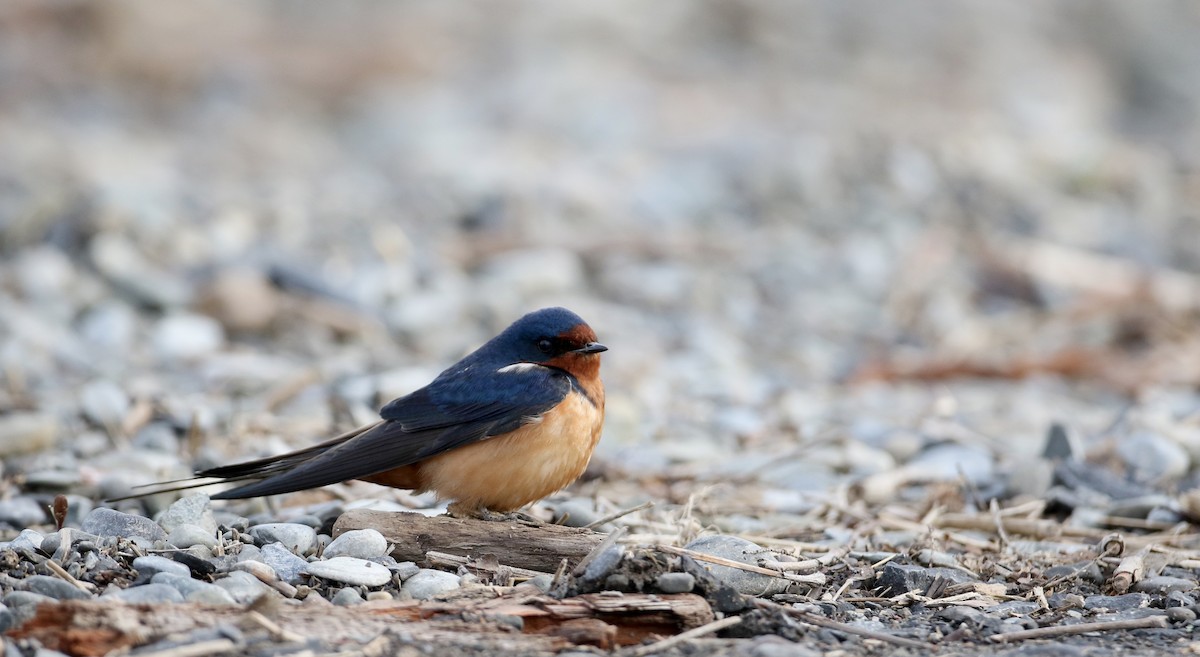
(510, 471)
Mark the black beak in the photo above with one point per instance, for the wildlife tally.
(591, 348)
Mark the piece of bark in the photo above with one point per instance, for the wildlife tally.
(92, 627)
(535, 547)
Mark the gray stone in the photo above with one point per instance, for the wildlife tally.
(348, 570)
(153, 564)
(104, 403)
(56, 588)
(1118, 603)
(288, 567)
(428, 583)
(296, 537)
(158, 437)
(244, 587)
(960, 614)
(187, 336)
(347, 597)
(53, 480)
(22, 512)
(1163, 584)
(359, 543)
(602, 565)
(1153, 456)
(187, 535)
(260, 570)
(8, 619)
(904, 578)
(675, 582)
(194, 590)
(28, 539)
(1180, 615)
(191, 510)
(405, 569)
(16, 599)
(26, 433)
(145, 594)
(575, 512)
(1060, 443)
(747, 552)
(950, 461)
(107, 522)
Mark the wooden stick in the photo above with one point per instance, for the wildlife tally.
(1082, 628)
(711, 628)
(816, 579)
(213, 647)
(444, 559)
(619, 514)
(1129, 571)
(523, 545)
(63, 574)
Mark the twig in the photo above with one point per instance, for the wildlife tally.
(619, 514)
(821, 621)
(695, 632)
(608, 542)
(445, 559)
(64, 575)
(815, 579)
(200, 649)
(1082, 628)
(273, 628)
(1129, 571)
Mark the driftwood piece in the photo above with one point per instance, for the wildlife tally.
(88, 628)
(514, 543)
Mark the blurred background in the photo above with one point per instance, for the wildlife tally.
(823, 240)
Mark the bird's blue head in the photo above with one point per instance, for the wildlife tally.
(550, 336)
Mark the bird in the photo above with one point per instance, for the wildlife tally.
(512, 422)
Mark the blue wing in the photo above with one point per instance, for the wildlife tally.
(457, 409)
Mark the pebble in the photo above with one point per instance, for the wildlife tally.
(185, 536)
(359, 543)
(602, 565)
(22, 512)
(28, 539)
(1124, 602)
(675, 582)
(405, 569)
(575, 512)
(104, 403)
(187, 336)
(294, 536)
(243, 587)
(56, 588)
(347, 597)
(1180, 615)
(145, 594)
(349, 570)
(107, 522)
(8, 619)
(194, 590)
(429, 583)
(738, 549)
(193, 510)
(260, 570)
(26, 433)
(1153, 456)
(899, 578)
(1162, 584)
(150, 565)
(288, 567)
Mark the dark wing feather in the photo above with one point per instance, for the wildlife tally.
(451, 412)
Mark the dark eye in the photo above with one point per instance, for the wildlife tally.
(545, 346)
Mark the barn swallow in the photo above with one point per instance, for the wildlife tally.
(511, 423)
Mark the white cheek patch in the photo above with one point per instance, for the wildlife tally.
(517, 368)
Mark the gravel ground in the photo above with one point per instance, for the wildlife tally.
(914, 295)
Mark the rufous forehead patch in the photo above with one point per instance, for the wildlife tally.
(580, 334)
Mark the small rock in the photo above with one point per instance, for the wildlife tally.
(359, 543)
(375, 596)
(348, 570)
(26, 433)
(8, 619)
(575, 512)
(1163, 584)
(260, 570)
(904, 578)
(151, 565)
(187, 336)
(288, 567)
(1125, 602)
(104, 403)
(242, 298)
(428, 583)
(541, 582)
(675, 582)
(145, 594)
(600, 567)
(960, 614)
(738, 549)
(1180, 615)
(28, 539)
(22, 512)
(56, 588)
(185, 536)
(14, 599)
(1153, 456)
(405, 569)
(294, 536)
(107, 522)
(52, 480)
(191, 510)
(347, 597)
(244, 587)
(194, 590)
(1065, 601)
